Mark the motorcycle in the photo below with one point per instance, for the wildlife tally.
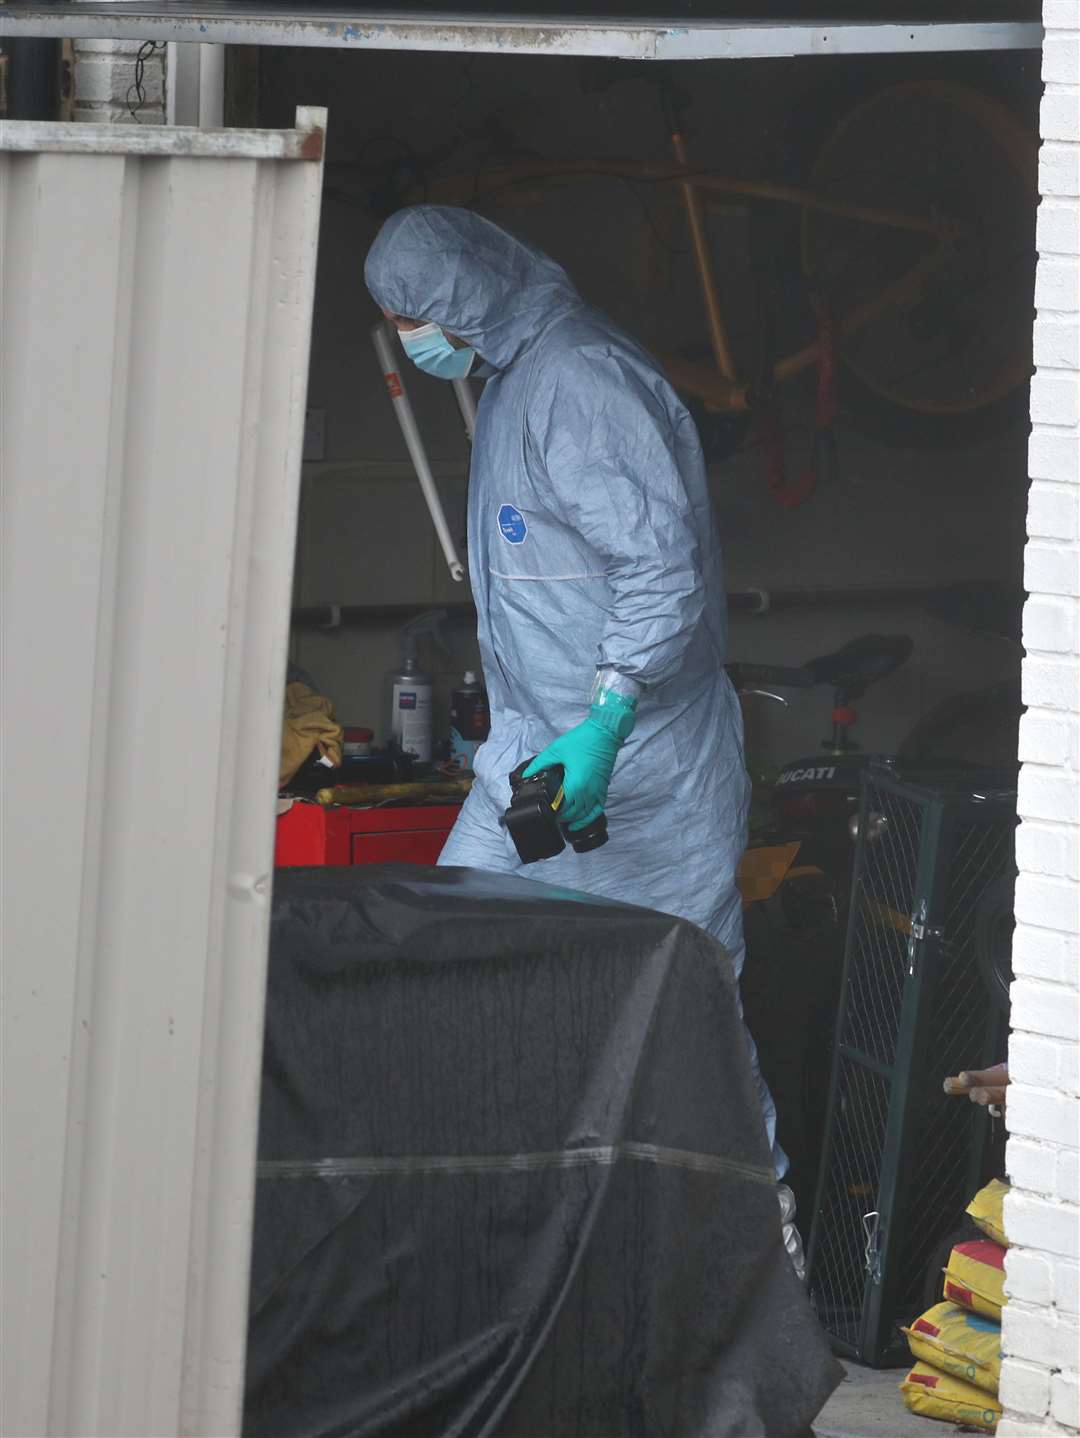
(796, 876)
(795, 880)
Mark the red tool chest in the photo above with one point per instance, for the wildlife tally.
(310, 834)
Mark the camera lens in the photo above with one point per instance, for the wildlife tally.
(593, 836)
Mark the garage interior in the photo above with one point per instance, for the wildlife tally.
(904, 519)
(906, 508)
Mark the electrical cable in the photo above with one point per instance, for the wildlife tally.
(137, 87)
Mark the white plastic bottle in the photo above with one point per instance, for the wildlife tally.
(410, 691)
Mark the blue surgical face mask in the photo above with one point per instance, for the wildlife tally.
(431, 351)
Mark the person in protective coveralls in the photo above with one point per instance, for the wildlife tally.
(596, 571)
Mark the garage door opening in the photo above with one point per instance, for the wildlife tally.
(843, 300)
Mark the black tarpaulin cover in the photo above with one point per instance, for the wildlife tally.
(512, 1176)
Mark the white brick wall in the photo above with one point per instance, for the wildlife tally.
(104, 77)
(1041, 1330)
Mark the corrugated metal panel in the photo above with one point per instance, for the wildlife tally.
(156, 293)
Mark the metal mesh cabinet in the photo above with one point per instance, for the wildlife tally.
(901, 1159)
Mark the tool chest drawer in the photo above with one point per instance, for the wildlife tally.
(311, 834)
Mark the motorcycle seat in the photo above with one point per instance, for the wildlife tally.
(861, 662)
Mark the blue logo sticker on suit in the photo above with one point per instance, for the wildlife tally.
(512, 525)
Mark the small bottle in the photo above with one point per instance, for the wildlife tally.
(469, 721)
(357, 743)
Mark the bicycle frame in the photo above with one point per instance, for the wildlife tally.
(720, 386)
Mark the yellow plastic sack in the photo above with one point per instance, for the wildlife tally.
(975, 1277)
(963, 1345)
(935, 1395)
(986, 1210)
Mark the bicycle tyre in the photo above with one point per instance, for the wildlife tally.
(911, 412)
(900, 428)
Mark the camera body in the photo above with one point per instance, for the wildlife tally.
(532, 820)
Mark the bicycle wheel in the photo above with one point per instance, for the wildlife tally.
(951, 358)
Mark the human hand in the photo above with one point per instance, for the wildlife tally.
(982, 1086)
(587, 754)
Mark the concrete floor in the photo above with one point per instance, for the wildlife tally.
(868, 1405)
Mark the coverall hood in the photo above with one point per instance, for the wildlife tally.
(450, 266)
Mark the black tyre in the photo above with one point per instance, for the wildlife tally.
(951, 362)
(934, 1280)
(995, 921)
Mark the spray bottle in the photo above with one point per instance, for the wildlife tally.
(410, 690)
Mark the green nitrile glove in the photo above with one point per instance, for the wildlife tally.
(587, 754)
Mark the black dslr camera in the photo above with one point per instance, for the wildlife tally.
(532, 819)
